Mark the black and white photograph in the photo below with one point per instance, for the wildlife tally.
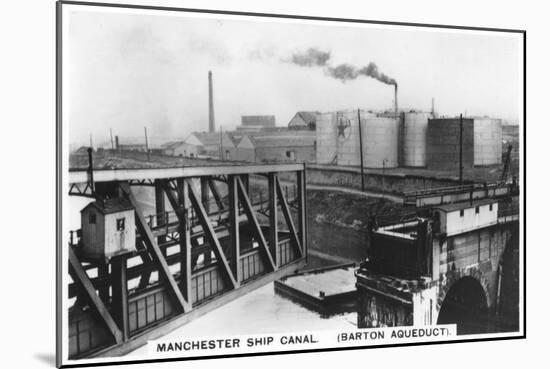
(236, 184)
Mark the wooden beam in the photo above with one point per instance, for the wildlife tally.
(273, 218)
(249, 211)
(80, 275)
(288, 218)
(211, 235)
(234, 237)
(154, 250)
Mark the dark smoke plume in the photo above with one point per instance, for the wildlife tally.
(371, 70)
(343, 72)
(311, 58)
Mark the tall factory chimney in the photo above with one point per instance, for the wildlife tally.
(396, 106)
(211, 123)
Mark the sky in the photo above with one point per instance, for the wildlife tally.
(126, 70)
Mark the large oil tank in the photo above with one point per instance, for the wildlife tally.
(348, 136)
(380, 142)
(326, 138)
(415, 126)
(443, 143)
(487, 141)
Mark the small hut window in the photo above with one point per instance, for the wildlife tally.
(477, 209)
(92, 219)
(462, 212)
(120, 224)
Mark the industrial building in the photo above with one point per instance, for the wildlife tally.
(215, 144)
(303, 120)
(256, 122)
(181, 148)
(277, 148)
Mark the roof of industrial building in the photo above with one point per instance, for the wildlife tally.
(464, 205)
(110, 206)
(209, 138)
(309, 117)
(282, 141)
(171, 145)
(258, 120)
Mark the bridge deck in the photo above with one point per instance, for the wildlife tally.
(111, 175)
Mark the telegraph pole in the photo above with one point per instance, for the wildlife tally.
(112, 142)
(460, 153)
(147, 144)
(361, 150)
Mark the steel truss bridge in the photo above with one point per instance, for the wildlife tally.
(190, 258)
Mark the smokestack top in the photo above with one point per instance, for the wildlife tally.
(395, 101)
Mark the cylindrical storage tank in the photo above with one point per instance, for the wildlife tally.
(443, 143)
(380, 142)
(415, 126)
(326, 138)
(348, 136)
(487, 141)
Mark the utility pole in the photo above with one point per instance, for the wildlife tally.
(91, 142)
(221, 143)
(361, 150)
(383, 176)
(147, 145)
(91, 169)
(460, 153)
(112, 142)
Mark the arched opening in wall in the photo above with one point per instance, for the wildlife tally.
(466, 306)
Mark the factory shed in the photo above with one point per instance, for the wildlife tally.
(258, 120)
(303, 120)
(255, 123)
(271, 149)
(214, 144)
(181, 148)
